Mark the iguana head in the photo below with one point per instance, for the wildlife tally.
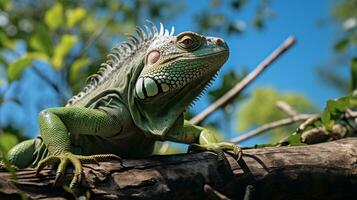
(176, 70)
(156, 75)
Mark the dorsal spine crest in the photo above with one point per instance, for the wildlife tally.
(118, 55)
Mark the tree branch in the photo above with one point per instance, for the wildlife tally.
(245, 82)
(270, 126)
(322, 171)
(285, 107)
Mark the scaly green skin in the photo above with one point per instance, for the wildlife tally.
(138, 97)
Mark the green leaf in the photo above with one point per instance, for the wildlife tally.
(16, 68)
(4, 161)
(294, 139)
(326, 118)
(41, 41)
(335, 108)
(3, 60)
(7, 141)
(54, 16)
(353, 102)
(342, 104)
(354, 74)
(6, 42)
(331, 105)
(74, 16)
(62, 49)
(341, 45)
(76, 68)
(5, 4)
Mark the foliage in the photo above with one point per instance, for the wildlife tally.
(344, 13)
(218, 19)
(7, 141)
(16, 67)
(354, 74)
(261, 108)
(336, 108)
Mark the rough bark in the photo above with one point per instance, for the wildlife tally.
(322, 171)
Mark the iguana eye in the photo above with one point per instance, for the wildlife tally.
(188, 41)
(153, 57)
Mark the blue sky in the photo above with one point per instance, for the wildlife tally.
(295, 71)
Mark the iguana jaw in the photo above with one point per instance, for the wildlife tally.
(193, 88)
(182, 72)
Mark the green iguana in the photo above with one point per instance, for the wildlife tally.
(137, 97)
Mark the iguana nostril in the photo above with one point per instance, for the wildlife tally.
(219, 41)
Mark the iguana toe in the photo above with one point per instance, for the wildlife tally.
(218, 148)
(64, 159)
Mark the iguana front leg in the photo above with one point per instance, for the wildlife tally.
(202, 139)
(55, 126)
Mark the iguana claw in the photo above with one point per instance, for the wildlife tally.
(62, 160)
(218, 148)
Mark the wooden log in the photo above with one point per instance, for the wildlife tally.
(321, 171)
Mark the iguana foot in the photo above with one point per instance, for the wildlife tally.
(62, 161)
(218, 148)
(7, 166)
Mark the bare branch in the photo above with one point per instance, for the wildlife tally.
(285, 107)
(311, 120)
(351, 113)
(245, 82)
(270, 126)
(214, 193)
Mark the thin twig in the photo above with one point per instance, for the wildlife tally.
(245, 82)
(308, 122)
(285, 107)
(270, 126)
(214, 194)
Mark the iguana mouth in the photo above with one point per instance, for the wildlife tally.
(209, 54)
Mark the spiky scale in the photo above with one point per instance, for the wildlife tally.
(172, 30)
(148, 31)
(162, 29)
(141, 33)
(154, 28)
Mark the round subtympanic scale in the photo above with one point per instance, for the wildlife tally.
(150, 87)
